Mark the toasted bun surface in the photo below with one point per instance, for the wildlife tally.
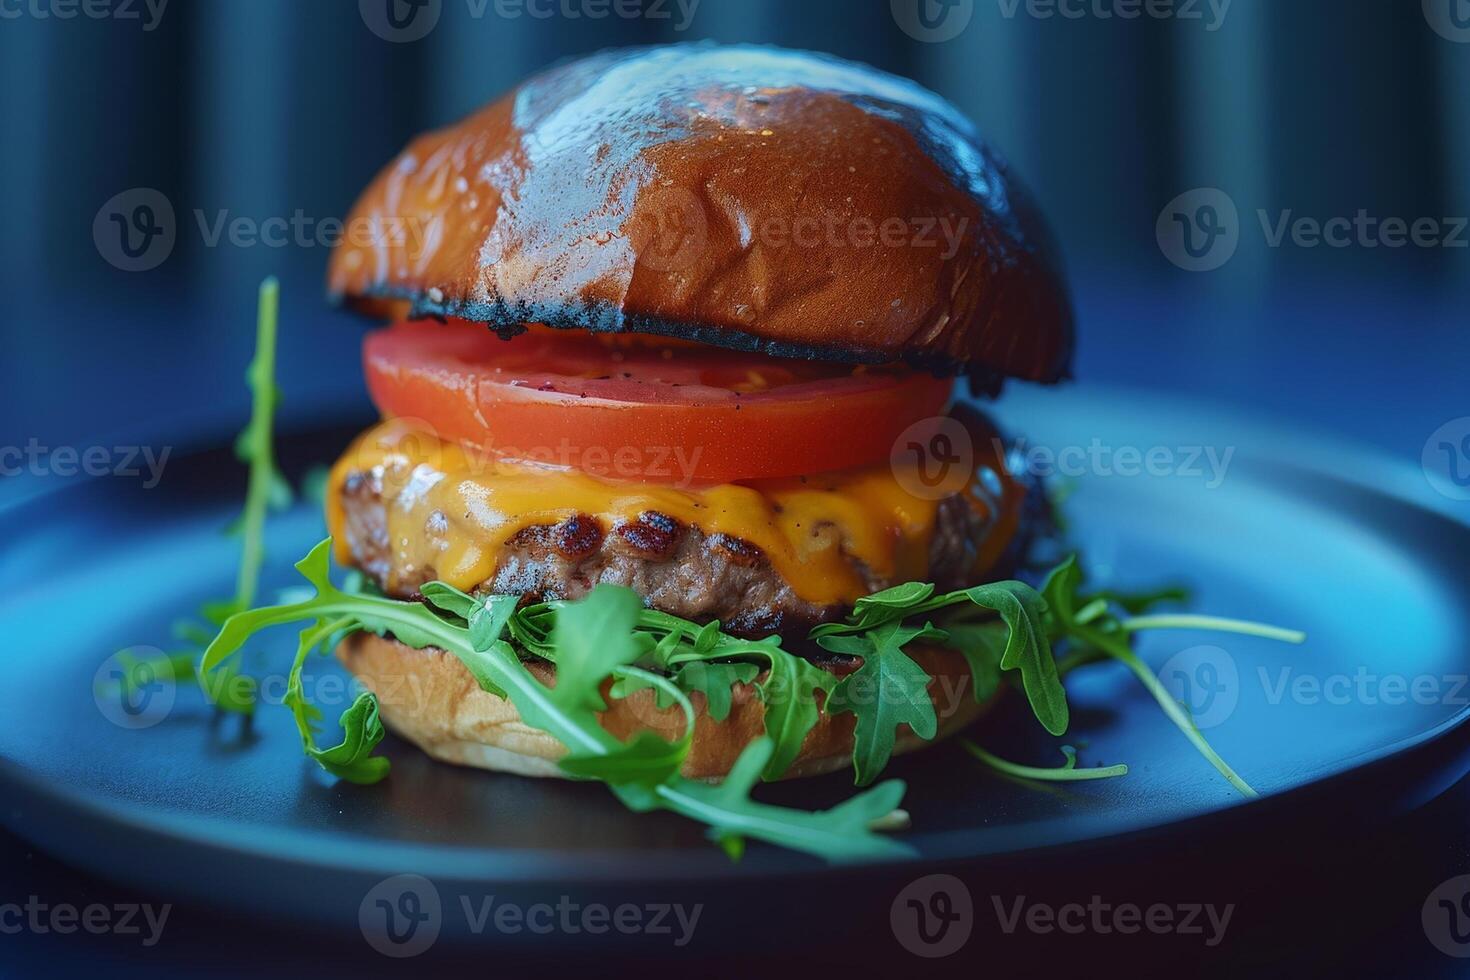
(746, 197)
(428, 697)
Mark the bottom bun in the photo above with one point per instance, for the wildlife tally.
(429, 698)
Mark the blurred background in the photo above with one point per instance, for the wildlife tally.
(259, 109)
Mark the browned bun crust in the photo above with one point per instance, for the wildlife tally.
(428, 697)
(735, 196)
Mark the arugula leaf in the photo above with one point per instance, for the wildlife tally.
(982, 645)
(228, 688)
(643, 771)
(1095, 631)
(1059, 591)
(900, 598)
(256, 447)
(443, 596)
(488, 619)
(592, 638)
(843, 833)
(713, 680)
(362, 729)
(1065, 773)
(888, 690)
(1138, 603)
(353, 759)
(1021, 609)
(1027, 649)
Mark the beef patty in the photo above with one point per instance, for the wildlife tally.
(677, 568)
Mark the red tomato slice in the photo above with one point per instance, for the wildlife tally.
(637, 409)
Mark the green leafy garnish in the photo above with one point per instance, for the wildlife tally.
(1090, 625)
(1027, 645)
(267, 488)
(228, 687)
(888, 690)
(714, 680)
(675, 645)
(1065, 773)
(590, 641)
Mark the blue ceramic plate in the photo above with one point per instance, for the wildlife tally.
(1357, 551)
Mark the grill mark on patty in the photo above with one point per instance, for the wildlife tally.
(653, 535)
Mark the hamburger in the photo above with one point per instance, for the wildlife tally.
(689, 321)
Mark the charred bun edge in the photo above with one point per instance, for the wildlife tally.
(430, 699)
(508, 320)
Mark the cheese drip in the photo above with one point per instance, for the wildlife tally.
(451, 510)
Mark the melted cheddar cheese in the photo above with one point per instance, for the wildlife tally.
(451, 510)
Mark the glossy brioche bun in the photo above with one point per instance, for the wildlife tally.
(429, 698)
(746, 197)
